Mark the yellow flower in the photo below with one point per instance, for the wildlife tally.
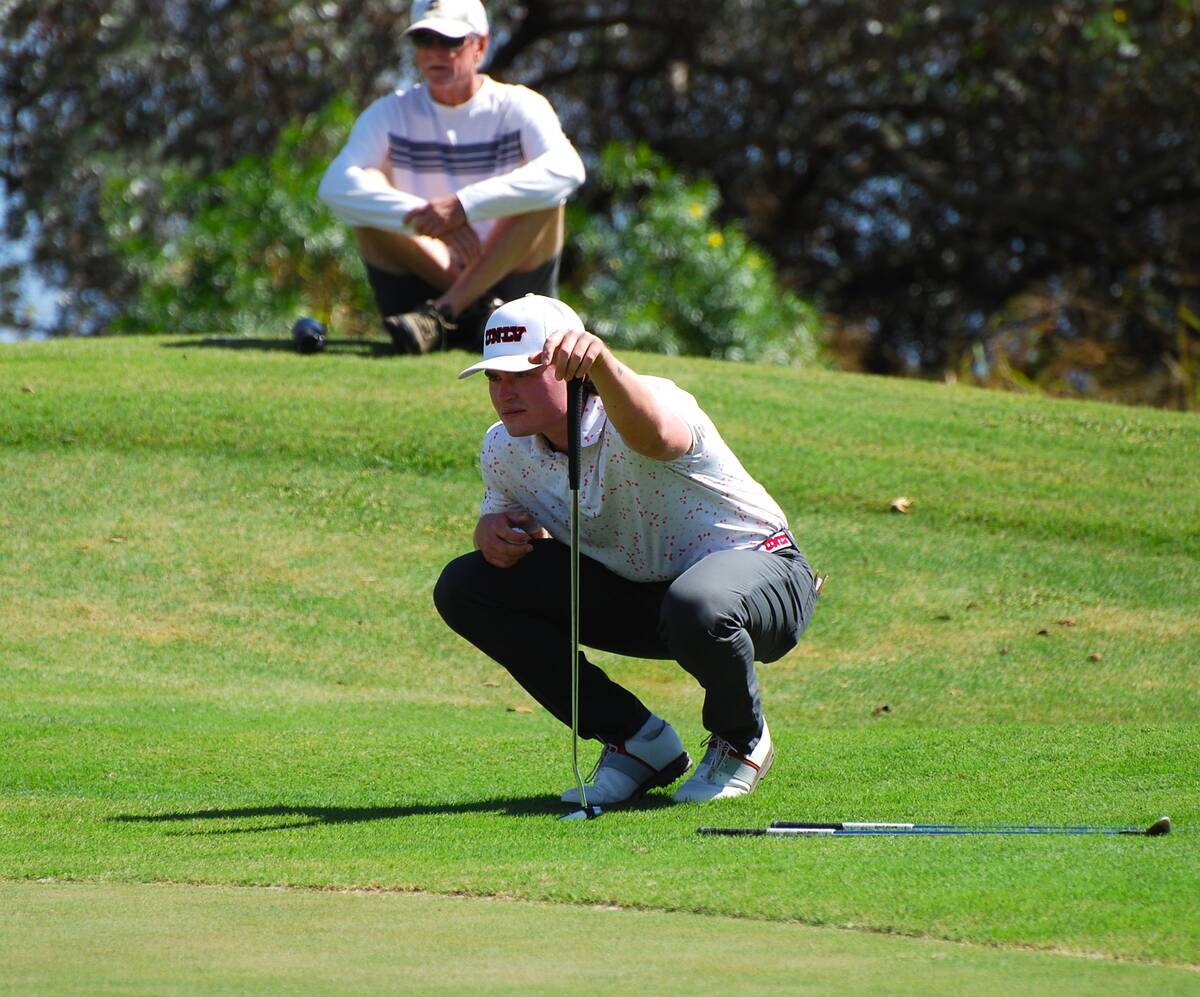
(715, 239)
(1119, 15)
(696, 209)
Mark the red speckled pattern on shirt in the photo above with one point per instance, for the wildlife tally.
(646, 520)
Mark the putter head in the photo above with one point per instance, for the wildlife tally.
(585, 813)
(1160, 826)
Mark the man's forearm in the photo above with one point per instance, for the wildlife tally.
(365, 198)
(542, 183)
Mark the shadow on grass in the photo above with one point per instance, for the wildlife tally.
(343, 347)
(315, 816)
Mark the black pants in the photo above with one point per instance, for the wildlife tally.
(716, 620)
(396, 294)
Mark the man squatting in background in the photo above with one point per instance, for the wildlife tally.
(683, 556)
(455, 187)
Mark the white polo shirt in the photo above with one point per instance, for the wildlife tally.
(646, 520)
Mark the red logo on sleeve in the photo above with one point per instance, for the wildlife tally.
(780, 541)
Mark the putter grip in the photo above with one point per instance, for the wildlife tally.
(574, 413)
(732, 832)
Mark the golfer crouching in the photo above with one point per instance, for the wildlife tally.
(683, 556)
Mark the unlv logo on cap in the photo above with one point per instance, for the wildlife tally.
(504, 334)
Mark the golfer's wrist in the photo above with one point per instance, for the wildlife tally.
(605, 368)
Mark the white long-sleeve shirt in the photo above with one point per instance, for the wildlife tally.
(503, 152)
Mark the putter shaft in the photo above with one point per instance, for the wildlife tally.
(574, 414)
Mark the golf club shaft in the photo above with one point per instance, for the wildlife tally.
(866, 829)
(574, 412)
(784, 832)
(882, 828)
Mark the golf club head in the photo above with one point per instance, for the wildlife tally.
(1160, 826)
(586, 813)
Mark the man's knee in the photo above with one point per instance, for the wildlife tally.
(399, 253)
(459, 588)
(372, 245)
(535, 221)
(539, 234)
(694, 613)
(550, 234)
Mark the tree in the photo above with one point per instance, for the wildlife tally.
(132, 88)
(919, 165)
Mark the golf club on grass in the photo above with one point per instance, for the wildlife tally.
(574, 415)
(782, 828)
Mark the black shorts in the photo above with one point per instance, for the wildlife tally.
(396, 293)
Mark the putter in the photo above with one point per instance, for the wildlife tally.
(574, 416)
(786, 829)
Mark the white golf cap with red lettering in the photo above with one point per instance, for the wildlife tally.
(518, 329)
(449, 18)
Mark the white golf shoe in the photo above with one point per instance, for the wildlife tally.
(653, 757)
(723, 772)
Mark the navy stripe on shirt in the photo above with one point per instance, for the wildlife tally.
(488, 158)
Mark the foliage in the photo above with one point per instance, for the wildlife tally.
(917, 165)
(133, 87)
(660, 275)
(1061, 336)
(251, 246)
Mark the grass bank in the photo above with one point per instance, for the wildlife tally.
(220, 663)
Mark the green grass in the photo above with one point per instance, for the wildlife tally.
(219, 662)
(224, 940)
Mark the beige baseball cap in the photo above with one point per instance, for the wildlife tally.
(450, 18)
(518, 329)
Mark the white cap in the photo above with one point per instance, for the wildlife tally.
(451, 18)
(518, 329)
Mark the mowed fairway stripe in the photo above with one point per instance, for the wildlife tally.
(101, 937)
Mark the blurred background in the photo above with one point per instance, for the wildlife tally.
(1002, 193)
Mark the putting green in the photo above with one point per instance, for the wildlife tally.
(101, 937)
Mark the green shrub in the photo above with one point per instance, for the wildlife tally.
(243, 250)
(660, 275)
